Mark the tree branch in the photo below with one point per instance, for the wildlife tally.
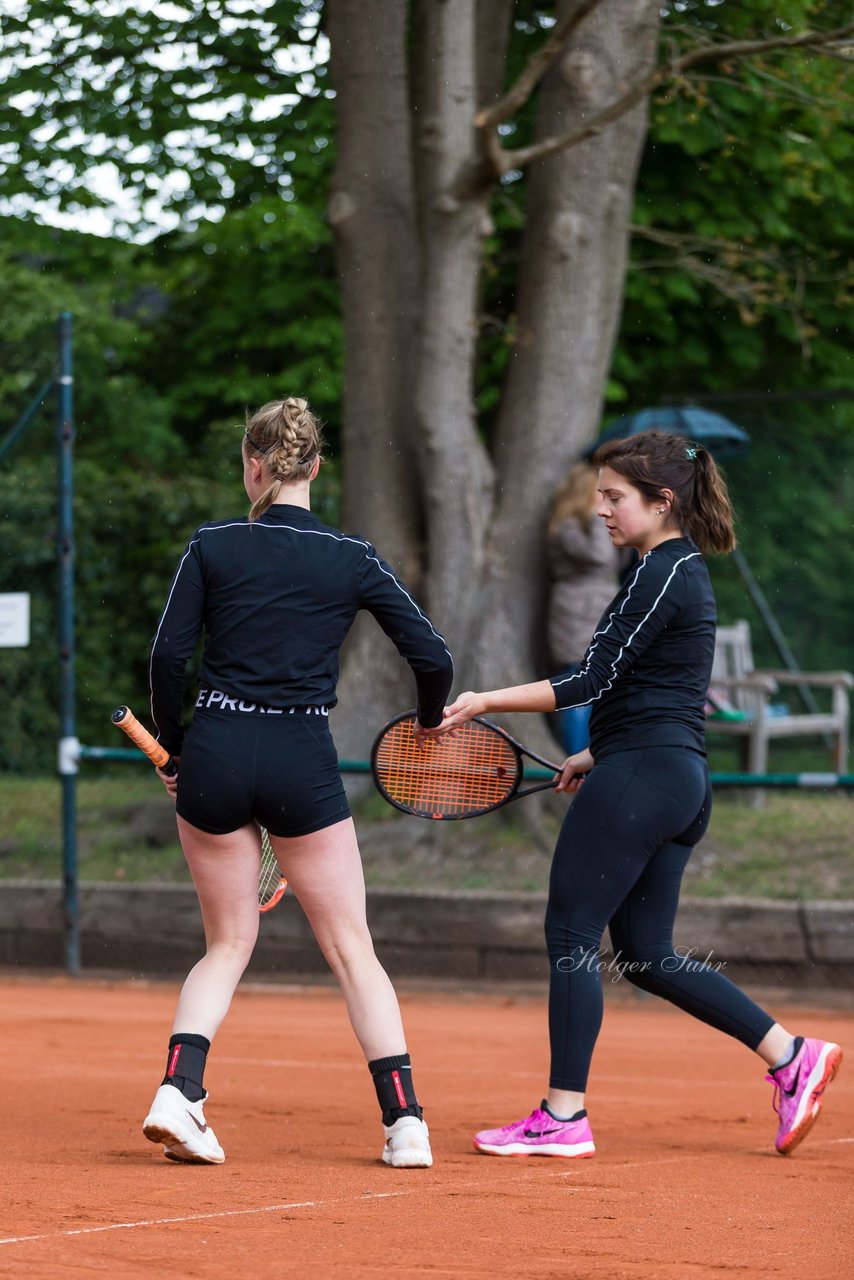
(746, 48)
(517, 94)
(840, 54)
(754, 279)
(504, 160)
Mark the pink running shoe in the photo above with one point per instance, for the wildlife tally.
(798, 1088)
(539, 1134)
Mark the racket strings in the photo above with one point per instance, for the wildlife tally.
(453, 776)
(270, 875)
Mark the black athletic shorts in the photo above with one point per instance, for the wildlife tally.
(280, 770)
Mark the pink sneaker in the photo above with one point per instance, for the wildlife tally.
(539, 1134)
(798, 1088)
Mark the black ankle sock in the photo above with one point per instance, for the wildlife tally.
(579, 1115)
(185, 1065)
(395, 1090)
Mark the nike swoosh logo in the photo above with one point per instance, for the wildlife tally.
(541, 1133)
(790, 1093)
(202, 1128)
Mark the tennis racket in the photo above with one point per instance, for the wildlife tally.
(271, 883)
(477, 769)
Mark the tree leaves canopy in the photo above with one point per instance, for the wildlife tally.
(212, 97)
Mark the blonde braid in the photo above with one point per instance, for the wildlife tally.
(286, 435)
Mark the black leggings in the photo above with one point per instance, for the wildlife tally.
(619, 861)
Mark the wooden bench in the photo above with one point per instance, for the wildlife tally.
(755, 718)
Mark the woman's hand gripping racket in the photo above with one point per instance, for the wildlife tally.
(271, 883)
(474, 770)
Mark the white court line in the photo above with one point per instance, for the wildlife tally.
(203, 1217)
(374, 1195)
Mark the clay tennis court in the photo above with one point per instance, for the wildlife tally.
(685, 1182)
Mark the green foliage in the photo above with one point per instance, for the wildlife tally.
(214, 97)
(124, 436)
(128, 536)
(44, 272)
(171, 346)
(250, 313)
(746, 185)
(751, 297)
(794, 493)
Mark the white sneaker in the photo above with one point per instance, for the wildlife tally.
(180, 1125)
(407, 1144)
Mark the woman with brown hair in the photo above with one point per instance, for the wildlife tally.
(642, 798)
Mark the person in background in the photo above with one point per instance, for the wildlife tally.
(583, 567)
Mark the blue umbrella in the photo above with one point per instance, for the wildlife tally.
(714, 432)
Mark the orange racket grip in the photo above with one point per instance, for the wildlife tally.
(140, 737)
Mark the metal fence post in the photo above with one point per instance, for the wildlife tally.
(69, 746)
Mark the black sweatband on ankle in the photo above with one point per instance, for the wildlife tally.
(395, 1090)
(185, 1064)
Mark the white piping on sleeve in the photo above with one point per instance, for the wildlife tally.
(157, 632)
(609, 684)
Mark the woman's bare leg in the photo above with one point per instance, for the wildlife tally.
(324, 870)
(225, 873)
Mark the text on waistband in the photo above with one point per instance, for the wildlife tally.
(215, 699)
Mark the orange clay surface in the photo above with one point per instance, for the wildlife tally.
(685, 1182)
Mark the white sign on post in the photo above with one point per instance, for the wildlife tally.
(14, 620)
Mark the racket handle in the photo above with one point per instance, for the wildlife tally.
(139, 735)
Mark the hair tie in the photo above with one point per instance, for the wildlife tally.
(691, 452)
(259, 448)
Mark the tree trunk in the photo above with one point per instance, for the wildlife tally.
(409, 228)
(456, 472)
(372, 212)
(569, 297)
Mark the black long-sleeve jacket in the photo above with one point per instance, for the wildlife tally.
(276, 599)
(646, 672)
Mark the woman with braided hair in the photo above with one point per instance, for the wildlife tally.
(275, 593)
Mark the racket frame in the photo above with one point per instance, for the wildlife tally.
(270, 871)
(514, 793)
